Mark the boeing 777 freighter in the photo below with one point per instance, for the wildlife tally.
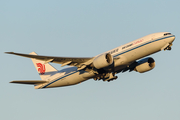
(128, 57)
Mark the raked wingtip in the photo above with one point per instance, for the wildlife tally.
(9, 52)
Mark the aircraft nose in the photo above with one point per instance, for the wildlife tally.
(173, 38)
(170, 39)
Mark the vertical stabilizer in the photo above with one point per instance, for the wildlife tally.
(45, 70)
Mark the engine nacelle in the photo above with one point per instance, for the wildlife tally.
(145, 65)
(103, 61)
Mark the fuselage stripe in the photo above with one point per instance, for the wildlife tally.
(141, 45)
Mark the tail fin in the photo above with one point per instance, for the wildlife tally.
(45, 70)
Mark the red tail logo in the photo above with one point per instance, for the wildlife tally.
(41, 68)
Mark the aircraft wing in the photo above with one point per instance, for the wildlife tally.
(60, 60)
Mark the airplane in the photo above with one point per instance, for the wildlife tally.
(128, 57)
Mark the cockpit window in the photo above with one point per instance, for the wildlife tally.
(167, 34)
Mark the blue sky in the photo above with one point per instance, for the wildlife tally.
(85, 29)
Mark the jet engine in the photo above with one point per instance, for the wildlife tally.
(103, 61)
(145, 65)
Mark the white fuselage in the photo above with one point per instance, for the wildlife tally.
(125, 55)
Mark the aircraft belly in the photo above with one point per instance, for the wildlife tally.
(75, 79)
(62, 82)
(66, 81)
(72, 78)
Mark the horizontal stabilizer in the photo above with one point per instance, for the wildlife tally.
(31, 82)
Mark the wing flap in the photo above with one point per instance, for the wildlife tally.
(31, 82)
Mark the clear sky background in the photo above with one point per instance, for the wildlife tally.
(80, 28)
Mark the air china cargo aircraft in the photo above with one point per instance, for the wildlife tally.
(128, 57)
